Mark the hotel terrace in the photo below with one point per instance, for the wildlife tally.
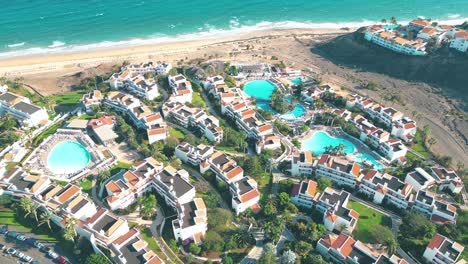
(338, 170)
(385, 188)
(190, 117)
(331, 203)
(243, 188)
(141, 115)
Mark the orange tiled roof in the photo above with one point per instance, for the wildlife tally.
(71, 191)
(234, 172)
(436, 241)
(249, 195)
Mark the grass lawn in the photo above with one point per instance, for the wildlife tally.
(368, 219)
(418, 147)
(174, 132)
(148, 237)
(70, 98)
(198, 101)
(86, 185)
(228, 149)
(49, 131)
(8, 217)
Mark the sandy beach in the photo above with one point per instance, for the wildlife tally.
(297, 48)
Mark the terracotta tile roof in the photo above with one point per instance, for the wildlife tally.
(370, 174)
(156, 131)
(252, 194)
(153, 117)
(52, 192)
(409, 126)
(264, 128)
(256, 208)
(125, 237)
(461, 34)
(139, 245)
(131, 177)
(311, 188)
(197, 238)
(436, 241)
(37, 185)
(354, 214)
(420, 22)
(356, 169)
(234, 172)
(347, 248)
(323, 159)
(339, 241)
(113, 187)
(70, 192)
(97, 215)
(332, 217)
(114, 227)
(452, 208)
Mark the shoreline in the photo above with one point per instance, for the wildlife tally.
(33, 64)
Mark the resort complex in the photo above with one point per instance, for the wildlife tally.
(163, 164)
(417, 37)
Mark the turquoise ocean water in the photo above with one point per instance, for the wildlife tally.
(45, 26)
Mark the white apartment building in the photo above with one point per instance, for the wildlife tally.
(304, 194)
(419, 179)
(192, 222)
(302, 164)
(442, 250)
(340, 171)
(393, 149)
(390, 40)
(385, 188)
(104, 228)
(271, 142)
(181, 89)
(447, 179)
(439, 212)
(191, 154)
(404, 129)
(132, 248)
(245, 195)
(21, 109)
(460, 41)
(225, 168)
(92, 98)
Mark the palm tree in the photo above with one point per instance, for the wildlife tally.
(26, 206)
(70, 233)
(391, 246)
(34, 208)
(45, 218)
(243, 236)
(393, 20)
(384, 21)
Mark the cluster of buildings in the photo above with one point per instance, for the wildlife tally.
(342, 248)
(194, 118)
(400, 129)
(383, 188)
(148, 175)
(98, 225)
(332, 204)
(413, 38)
(21, 109)
(316, 91)
(181, 89)
(140, 115)
(243, 189)
(236, 108)
(133, 78)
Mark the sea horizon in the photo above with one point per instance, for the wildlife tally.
(67, 26)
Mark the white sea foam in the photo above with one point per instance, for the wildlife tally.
(57, 44)
(100, 14)
(206, 32)
(16, 45)
(454, 16)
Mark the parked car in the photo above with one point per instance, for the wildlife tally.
(21, 237)
(20, 254)
(38, 245)
(61, 260)
(3, 230)
(45, 249)
(12, 234)
(30, 241)
(27, 258)
(2, 247)
(11, 251)
(52, 254)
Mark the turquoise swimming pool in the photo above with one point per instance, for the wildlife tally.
(297, 112)
(68, 157)
(266, 107)
(260, 89)
(370, 159)
(297, 81)
(320, 140)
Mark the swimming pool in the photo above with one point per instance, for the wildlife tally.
(297, 112)
(297, 81)
(370, 159)
(260, 89)
(320, 140)
(266, 107)
(68, 157)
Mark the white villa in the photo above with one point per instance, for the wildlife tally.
(419, 179)
(21, 109)
(460, 41)
(439, 212)
(302, 164)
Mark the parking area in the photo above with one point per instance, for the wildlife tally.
(27, 247)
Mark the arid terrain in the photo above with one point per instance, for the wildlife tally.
(327, 55)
